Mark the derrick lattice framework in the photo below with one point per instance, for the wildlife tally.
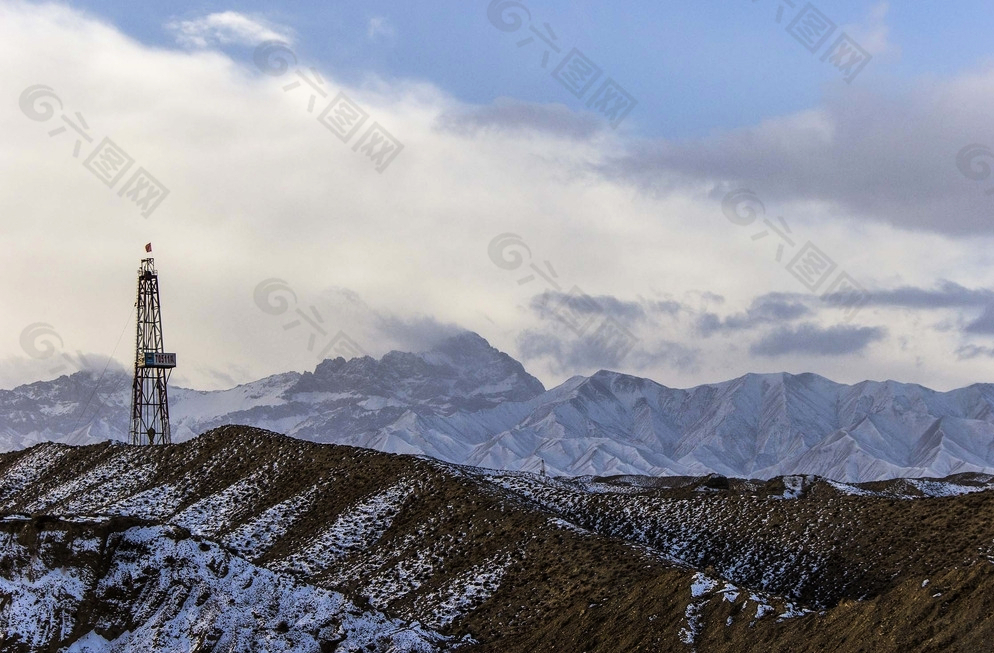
(149, 399)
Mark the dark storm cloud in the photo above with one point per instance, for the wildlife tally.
(811, 339)
(967, 352)
(550, 303)
(947, 295)
(508, 115)
(887, 154)
(568, 352)
(783, 308)
(765, 309)
(382, 330)
(984, 323)
(421, 333)
(571, 354)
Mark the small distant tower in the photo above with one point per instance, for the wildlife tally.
(149, 401)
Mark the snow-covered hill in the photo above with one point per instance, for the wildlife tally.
(244, 540)
(466, 402)
(155, 588)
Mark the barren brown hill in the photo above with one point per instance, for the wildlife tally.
(197, 546)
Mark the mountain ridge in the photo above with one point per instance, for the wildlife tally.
(466, 402)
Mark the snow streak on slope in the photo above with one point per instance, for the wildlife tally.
(395, 582)
(931, 488)
(355, 529)
(677, 529)
(30, 469)
(93, 490)
(154, 503)
(468, 590)
(212, 514)
(256, 536)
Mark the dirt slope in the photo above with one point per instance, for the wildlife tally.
(515, 562)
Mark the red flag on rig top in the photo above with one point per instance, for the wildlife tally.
(148, 247)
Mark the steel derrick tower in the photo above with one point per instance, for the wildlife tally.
(149, 399)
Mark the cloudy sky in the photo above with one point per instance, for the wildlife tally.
(681, 191)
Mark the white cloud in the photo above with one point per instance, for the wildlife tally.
(380, 27)
(874, 33)
(259, 189)
(226, 28)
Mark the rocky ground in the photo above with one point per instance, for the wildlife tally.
(245, 540)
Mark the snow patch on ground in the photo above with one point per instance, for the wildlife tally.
(702, 585)
(400, 579)
(355, 529)
(212, 514)
(90, 643)
(175, 593)
(468, 590)
(703, 589)
(943, 488)
(28, 470)
(91, 492)
(846, 488)
(794, 485)
(570, 526)
(258, 535)
(35, 597)
(154, 503)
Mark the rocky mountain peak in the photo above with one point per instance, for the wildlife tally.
(462, 372)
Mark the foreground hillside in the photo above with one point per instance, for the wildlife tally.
(466, 402)
(245, 540)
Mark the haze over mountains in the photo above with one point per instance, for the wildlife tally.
(467, 403)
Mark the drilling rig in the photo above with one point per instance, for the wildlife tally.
(153, 366)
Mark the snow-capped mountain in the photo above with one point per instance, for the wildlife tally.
(463, 374)
(466, 402)
(759, 425)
